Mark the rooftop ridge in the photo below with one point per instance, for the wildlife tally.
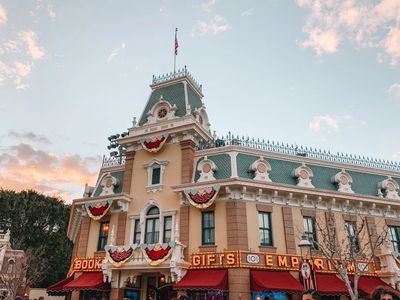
(302, 151)
(176, 75)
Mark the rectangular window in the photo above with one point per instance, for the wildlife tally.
(208, 227)
(136, 235)
(264, 223)
(155, 175)
(310, 230)
(351, 228)
(167, 229)
(395, 237)
(152, 231)
(103, 235)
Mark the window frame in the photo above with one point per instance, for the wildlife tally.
(351, 234)
(267, 229)
(136, 230)
(155, 167)
(103, 238)
(166, 230)
(311, 235)
(395, 240)
(211, 229)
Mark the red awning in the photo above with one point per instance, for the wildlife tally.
(57, 289)
(329, 284)
(280, 281)
(88, 281)
(204, 280)
(367, 284)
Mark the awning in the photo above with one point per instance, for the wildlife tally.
(88, 281)
(216, 279)
(279, 281)
(57, 289)
(367, 284)
(329, 284)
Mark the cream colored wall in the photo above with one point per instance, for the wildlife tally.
(277, 228)
(93, 239)
(298, 226)
(220, 228)
(167, 199)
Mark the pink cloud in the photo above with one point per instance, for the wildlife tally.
(30, 40)
(217, 24)
(364, 23)
(24, 167)
(3, 15)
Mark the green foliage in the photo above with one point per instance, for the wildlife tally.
(38, 225)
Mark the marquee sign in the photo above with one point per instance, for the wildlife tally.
(268, 261)
(92, 264)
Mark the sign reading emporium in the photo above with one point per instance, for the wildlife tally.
(271, 261)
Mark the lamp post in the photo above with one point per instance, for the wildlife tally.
(307, 269)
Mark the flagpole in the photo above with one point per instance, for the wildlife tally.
(175, 49)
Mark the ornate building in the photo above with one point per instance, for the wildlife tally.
(178, 212)
(12, 269)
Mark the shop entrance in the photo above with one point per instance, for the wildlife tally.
(159, 289)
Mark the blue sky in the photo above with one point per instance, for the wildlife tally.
(318, 73)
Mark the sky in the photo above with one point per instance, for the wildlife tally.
(319, 73)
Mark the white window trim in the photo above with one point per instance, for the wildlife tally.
(142, 222)
(149, 166)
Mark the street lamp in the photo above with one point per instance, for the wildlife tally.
(305, 247)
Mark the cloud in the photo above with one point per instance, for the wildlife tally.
(3, 15)
(207, 6)
(115, 52)
(30, 39)
(327, 122)
(216, 25)
(29, 136)
(394, 90)
(25, 167)
(363, 23)
(50, 11)
(247, 12)
(16, 73)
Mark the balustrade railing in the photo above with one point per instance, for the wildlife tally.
(272, 146)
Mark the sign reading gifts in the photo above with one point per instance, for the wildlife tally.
(272, 261)
(92, 264)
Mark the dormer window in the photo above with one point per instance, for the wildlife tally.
(155, 173)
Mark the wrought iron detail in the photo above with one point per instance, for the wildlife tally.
(178, 74)
(303, 151)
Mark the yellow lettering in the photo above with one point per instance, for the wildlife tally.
(294, 261)
(230, 258)
(196, 260)
(97, 264)
(319, 263)
(221, 258)
(268, 260)
(210, 259)
(282, 261)
(350, 267)
(77, 264)
(84, 264)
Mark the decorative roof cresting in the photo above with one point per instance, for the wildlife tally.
(176, 75)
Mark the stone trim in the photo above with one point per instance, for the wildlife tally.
(236, 218)
(184, 228)
(372, 233)
(121, 225)
(83, 237)
(267, 249)
(128, 171)
(392, 222)
(100, 254)
(308, 212)
(289, 230)
(208, 248)
(187, 167)
(210, 208)
(265, 208)
(349, 218)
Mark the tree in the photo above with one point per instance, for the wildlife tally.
(354, 250)
(38, 225)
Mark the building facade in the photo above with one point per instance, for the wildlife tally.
(179, 213)
(12, 269)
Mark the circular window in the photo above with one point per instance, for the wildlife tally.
(390, 187)
(343, 180)
(304, 174)
(162, 113)
(206, 168)
(262, 168)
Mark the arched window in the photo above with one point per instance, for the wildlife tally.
(10, 267)
(152, 226)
